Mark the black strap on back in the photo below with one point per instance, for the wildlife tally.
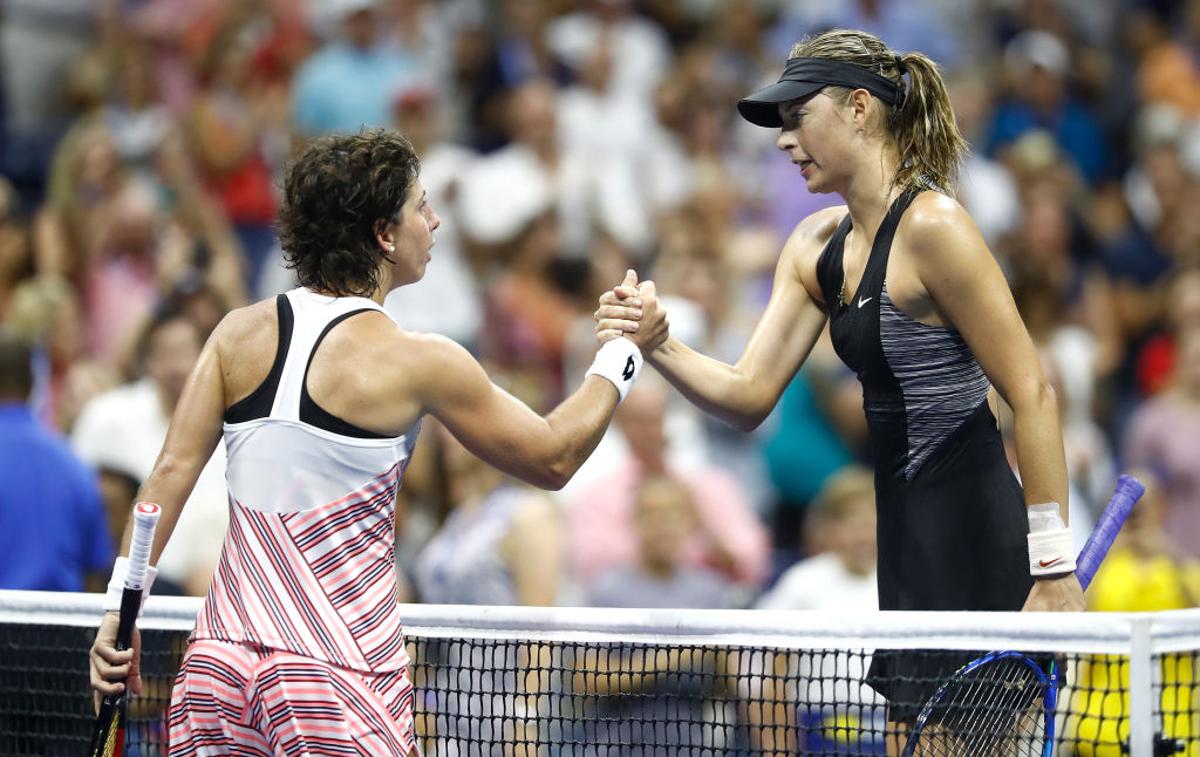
(315, 415)
(258, 403)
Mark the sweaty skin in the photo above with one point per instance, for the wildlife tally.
(412, 375)
(940, 272)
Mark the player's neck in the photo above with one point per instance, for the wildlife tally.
(384, 285)
(871, 189)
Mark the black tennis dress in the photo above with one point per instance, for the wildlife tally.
(951, 515)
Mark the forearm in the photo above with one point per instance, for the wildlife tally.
(575, 427)
(1040, 455)
(719, 389)
(168, 486)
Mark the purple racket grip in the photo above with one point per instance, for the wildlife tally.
(1129, 491)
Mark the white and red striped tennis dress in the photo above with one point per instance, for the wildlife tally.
(306, 584)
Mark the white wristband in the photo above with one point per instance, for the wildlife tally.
(116, 584)
(620, 361)
(1050, 542)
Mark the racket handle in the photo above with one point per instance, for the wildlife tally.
(145, 518)
(1129, 491)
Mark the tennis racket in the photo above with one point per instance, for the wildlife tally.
(990, 706)
(108, 735)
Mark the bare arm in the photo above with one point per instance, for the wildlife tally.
(964, 280)
(743, 394)
(193, 435)
(500, 429)
(966, 283)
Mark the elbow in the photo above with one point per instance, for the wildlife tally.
(1039, 398)
(748, 422)
(747, 405)
(168, 464)
(555, 475)
(750, 416)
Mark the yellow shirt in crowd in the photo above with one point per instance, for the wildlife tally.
(1098, 716)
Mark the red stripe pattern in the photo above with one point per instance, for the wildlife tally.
(319, 583)
(237, 699)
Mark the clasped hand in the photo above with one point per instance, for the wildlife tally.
(632, 310)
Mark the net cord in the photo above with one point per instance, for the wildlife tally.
(1096, 633)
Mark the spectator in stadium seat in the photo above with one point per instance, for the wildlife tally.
(120, 432)
(45, 311)
(16, 260)
(841, 536)
(1163, 436)
(1038, 63)
(840, 576)
(229, 126)
(641, 52)
(500, 545)
(639, 690)
(345, 85)
(1145, 570)
(601, 524)
(52, 530)
(447, 301)
(664, 515)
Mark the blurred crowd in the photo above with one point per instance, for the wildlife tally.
(142, 143)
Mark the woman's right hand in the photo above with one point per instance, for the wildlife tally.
(111, 670)
(632, 310)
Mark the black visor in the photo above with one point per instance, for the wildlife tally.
(803, 77)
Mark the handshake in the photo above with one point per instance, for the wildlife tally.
(632, 310)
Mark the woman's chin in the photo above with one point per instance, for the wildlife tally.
(815, 186)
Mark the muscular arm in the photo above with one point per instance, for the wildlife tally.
(964, 280)
(193, 435)
(500, 429)
(744, 394)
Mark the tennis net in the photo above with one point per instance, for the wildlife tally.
(582, 681)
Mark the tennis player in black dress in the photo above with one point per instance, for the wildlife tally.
(919, 309)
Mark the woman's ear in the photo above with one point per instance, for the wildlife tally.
(860, 101)
(385, 236)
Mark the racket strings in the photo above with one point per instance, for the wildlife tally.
(993, 711)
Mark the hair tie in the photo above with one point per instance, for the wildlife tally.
(903, 69)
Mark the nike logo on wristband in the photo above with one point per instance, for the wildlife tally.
(1049, 563)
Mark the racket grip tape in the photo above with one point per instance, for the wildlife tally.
(1129, 491)
(145, 518)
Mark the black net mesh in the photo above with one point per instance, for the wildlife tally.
(484, 697)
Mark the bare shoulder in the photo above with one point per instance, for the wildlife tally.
(935, 220)
(433, 350)
(804, 246)
(816, 229)
(427, 361)
(241, 325)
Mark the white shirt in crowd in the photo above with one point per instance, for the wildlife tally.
(123, 430)
(821, 583)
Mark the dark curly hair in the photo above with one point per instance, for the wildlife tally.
(337, 195)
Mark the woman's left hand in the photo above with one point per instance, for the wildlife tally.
(1055, 594)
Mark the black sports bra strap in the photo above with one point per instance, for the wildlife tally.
(315, 415)
(881, 248)
(829, 264)
(258, 403)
